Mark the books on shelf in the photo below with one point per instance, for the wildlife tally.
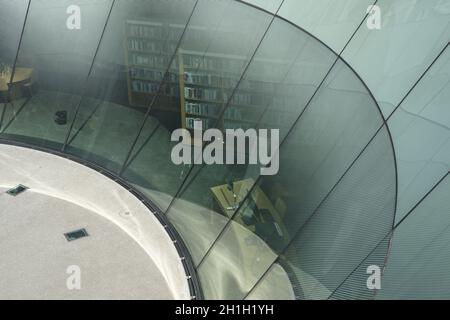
(199, 93)
(151, 46)
(149, 51)
(171, 90)
(213, 63)
(142, 86)
(154, 30)
(202, 109)
(197, 123)
(148, 60)
(209, 80)
(227, 82)
(152, 88)
(152, 75)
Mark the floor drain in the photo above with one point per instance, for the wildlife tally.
(16, 190)
(77, 234)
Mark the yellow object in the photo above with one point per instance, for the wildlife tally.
(20, 75)
(225, 199)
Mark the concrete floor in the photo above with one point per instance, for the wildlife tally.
(36, 255)
(127, 255)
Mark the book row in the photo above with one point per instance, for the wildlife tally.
(213, 63)
(206, 94)
(197, 123)
(152, 88)
(154, 31)
(157, 47)
(155, 61)
(202, 109)
(152, 75)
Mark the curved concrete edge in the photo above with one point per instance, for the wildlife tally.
(68, 180)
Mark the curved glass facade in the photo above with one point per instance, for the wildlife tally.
(363, 120)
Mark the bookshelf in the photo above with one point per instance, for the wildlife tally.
(148, 49)
(199, 84)
(207, 82)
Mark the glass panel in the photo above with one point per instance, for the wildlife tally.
(52, 67)
(421, 133)
(281, 79)
(418, 264)
(391, 59)
(351, 221)
(213, 54)
(150, 168)
(11, 22)
(331, 21)
(275, 285)
(137, 49)
(355, 285)
(235, 264)
(347, 226)
(331, 138)
(340, 121)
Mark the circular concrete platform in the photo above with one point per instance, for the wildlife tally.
(126, 255)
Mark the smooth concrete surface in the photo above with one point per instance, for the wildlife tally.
(104, 201)
(37, 261)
